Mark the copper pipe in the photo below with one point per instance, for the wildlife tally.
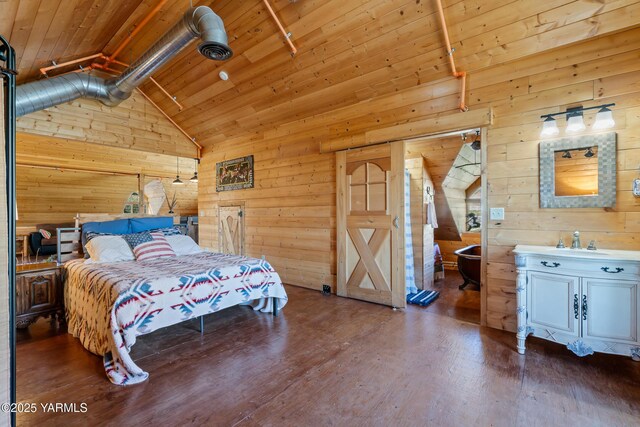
(173, 98)
(103, 67)
(135, 31)
(44, 70)
(287, 36)
(193, 140)
(462, 75)
(94, 171)
(115, 61)
(463, 89)
(67, 169)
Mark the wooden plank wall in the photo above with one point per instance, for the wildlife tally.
(601, 71)
(292, 210)
(289, 215)
(134, 124)
(47, 195)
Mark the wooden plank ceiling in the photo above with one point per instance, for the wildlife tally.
(350, 52)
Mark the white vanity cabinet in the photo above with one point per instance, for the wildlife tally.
(586, 300)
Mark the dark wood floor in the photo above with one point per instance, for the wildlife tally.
(333, 361)
(459, 304)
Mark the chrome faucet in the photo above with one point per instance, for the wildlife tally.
(575, 244)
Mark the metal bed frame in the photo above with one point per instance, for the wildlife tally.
(68, 244)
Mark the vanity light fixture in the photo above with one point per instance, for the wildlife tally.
(566, 155)
(604, 119)
(589, 153)
(549, 127)
(575, 120)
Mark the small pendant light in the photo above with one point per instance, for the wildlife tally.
(476, 142)
(194, 178)
(177, 181)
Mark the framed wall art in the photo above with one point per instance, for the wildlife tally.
(235, 174)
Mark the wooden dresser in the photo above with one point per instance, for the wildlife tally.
(39, 292)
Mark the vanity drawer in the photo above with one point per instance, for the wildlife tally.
(585, 267)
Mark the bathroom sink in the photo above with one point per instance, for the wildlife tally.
(577, 252)
(605, 254)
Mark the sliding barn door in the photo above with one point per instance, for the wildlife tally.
(231, 230)
(370, 224)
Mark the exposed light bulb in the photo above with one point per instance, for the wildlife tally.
(549, 127)
(604, 119)
(575, 123)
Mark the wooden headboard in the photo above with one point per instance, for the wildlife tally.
(69, 239)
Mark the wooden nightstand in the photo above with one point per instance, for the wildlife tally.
(39, 292)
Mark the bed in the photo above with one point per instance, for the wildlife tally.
(109, 304)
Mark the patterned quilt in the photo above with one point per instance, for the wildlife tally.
(109, 305)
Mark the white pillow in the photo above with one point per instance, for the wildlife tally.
(109, 249)
(183, 245)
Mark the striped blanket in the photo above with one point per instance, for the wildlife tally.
(109, 304)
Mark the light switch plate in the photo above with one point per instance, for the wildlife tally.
(496, 214)
(636, 187)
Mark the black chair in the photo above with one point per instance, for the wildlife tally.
(37, 247)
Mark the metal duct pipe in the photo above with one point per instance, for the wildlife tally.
(200, 22)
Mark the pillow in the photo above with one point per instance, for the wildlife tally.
(149, 245)
(109, 249)
(119, 226)
(87, 237)
(151, 223)
(183, 245)
(45, 234)
(171, 231)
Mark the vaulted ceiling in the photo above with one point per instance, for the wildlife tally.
(349, 51)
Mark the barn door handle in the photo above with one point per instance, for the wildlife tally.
(395, 222)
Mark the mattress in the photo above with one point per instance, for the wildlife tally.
(109, 304)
